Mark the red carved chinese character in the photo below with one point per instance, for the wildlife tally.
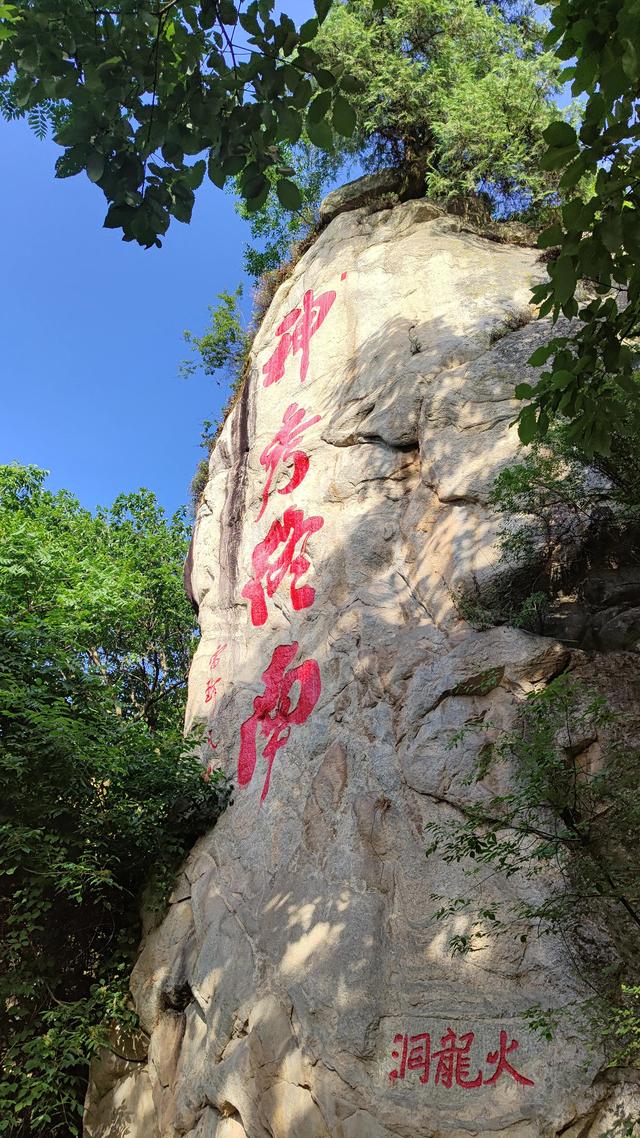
(214, 660)
(454, 1061)
(211, 690)
(420, 1055)
(503, 1064)
(273, 568)
(415, 1056)
(296, 331)
(283, 447)
(273, 714)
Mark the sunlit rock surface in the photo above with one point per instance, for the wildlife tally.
(300, 985)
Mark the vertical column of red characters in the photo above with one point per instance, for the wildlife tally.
(279, 560)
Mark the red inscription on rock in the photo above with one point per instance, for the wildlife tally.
(211, 690)
(273, 713)
(454, 1061)
(295, 333)
(270, 567)
(282, 448)
(450, 1064)
(214, 659)
(503, 1066)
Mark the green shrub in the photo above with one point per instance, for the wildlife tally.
(100, 797)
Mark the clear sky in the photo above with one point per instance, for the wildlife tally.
(92, 331)
(92, 327)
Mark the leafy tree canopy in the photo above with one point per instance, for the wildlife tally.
(136, 88)
(449, 87)
(456, 93)
(591, 375)
(97, 790)
(223, 346)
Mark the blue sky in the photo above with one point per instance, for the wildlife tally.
(92, 328)
(92, 331)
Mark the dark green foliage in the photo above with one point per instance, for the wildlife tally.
(567, 820)
(222, 348)
(448, 89)
(99, 797)
(135, 91)
(221, 351)
(556, 484)
(590, 375)
(276, 228)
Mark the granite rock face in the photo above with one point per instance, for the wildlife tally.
(300, 977)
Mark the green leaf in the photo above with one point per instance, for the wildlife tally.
(254, 186)
(302, 94)
(351, 85)
(574, 172)
(215, 172)
(541, 355)
(553, 159)
(322, 7)
(110, 64)
(234, 164)
(288, 194)
(572, 212)
(95, 166)
(289, 126)
(563, 274)
(308, 30)
(320, 134)
(631, 230)
(630, 60)
(256, 203)
(227, 11)
(527, 427)
(610, 232)
(195, 174)
(560, 135)
(550, 237)
(523, 391)
(344, 116)
(319, 106)
(325, 78)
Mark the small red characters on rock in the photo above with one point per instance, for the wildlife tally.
(214, 659)
(211, 690)
(454, 1061)
(415, 1055)
(451, 1063)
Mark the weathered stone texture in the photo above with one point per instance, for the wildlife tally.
(302, 938)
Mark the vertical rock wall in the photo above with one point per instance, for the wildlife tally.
(300, 986)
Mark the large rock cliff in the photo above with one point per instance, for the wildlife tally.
(300, 985)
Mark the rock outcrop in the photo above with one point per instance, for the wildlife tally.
(300, 985)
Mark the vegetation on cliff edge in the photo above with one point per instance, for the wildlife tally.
(99, 795)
